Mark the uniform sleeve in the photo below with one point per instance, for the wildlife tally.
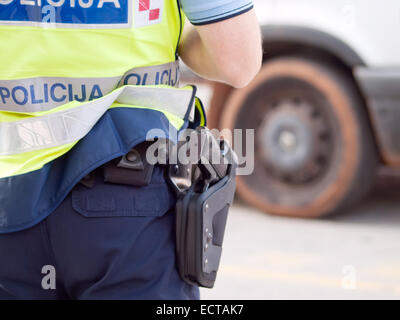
(201, 12)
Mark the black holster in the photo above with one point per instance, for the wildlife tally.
(200, 227)
(201, 216)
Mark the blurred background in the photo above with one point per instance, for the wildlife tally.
(319, 218)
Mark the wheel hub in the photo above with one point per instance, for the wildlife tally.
(287, 141)
(292, 141)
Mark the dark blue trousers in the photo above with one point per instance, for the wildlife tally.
(106, 242)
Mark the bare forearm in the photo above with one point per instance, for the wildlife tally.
(223, 53)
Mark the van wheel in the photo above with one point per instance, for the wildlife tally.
(314, 150)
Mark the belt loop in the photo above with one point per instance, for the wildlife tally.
(89, 181)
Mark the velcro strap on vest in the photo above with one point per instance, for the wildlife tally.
(46, 93)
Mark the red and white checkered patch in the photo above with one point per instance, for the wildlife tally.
(148, 12)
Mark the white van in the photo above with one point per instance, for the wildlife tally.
(325, 106)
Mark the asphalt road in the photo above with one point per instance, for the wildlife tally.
(352, 255)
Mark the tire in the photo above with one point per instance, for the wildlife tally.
(314, 149)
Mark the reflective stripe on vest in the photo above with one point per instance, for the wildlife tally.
(45, 93)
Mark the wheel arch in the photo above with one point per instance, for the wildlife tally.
(285, 39)
(281, 40)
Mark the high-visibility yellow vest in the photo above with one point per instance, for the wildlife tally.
(81, 83)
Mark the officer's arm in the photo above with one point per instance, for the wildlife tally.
(228, 51)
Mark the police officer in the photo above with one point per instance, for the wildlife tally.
(80, 87)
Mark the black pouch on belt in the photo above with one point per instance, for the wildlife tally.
(132, 169)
